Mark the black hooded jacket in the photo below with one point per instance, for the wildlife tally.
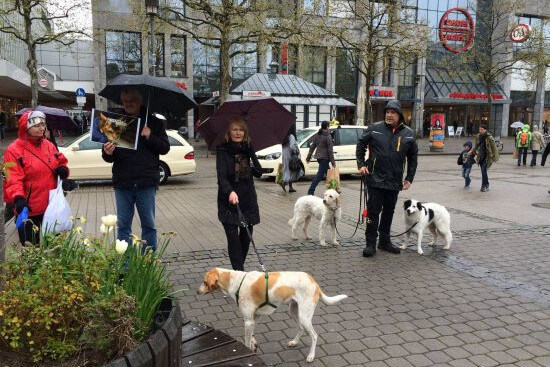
(388, 150)
(140, 167)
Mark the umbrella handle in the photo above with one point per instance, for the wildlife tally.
(147, 113)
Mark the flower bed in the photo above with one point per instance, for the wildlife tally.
(81, 300)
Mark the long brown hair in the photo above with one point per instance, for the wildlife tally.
(239, 121)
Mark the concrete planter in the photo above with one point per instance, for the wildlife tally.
(162, 349)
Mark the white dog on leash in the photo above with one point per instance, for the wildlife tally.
(327, 210)
(430, 216)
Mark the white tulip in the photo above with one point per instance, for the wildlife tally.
(109, 220)
(87, 242)
(121, 246)
(105, 229)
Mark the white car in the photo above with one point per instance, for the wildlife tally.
(85, 160)
(345, 139)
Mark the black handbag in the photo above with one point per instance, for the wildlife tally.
(295, 164)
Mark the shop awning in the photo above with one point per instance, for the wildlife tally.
(443, 87)
(288, 89)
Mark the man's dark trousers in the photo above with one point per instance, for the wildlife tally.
(380, 201)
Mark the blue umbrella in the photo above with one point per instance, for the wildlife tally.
(56, 118)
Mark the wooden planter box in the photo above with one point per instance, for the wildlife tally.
(162, 349)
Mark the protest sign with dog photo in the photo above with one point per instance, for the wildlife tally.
(113, 127)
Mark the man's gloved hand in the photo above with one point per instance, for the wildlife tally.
(69, 185)
(62, 172)
(19, 202)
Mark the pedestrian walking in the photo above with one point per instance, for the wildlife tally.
(486, 153)
(136, 172)
(523, 143)
(322, 146)
(236, 164)
(537, 143)
(390, 144)
(293, 169)
(38, 165)
(466, 160)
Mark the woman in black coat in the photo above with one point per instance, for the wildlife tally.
(236, 164)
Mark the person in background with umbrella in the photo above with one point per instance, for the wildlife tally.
(236, 164)
(291, 152)
(38, 164)
(323, 148)
(136, 173)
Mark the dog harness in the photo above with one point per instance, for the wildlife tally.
(266, 302)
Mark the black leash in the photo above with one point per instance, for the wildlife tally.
(408, 230)
(362, 215)
(243, 223)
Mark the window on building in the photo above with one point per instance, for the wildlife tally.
(315, 7)
(314, 65)
(120, 6)
(277, 55)
(178, 46)
(406, 73)
(346, 82)
(245, 63)
(387, 70)
(341, 8)
(158, 55)
(206, 66)
(122, 53)
(173, 9)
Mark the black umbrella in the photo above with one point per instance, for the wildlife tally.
(56, 118)
(162, 94)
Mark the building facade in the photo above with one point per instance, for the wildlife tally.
(425, 88)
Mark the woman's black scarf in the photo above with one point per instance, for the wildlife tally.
(241, 152)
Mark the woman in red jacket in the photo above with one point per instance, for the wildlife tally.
(38, 164)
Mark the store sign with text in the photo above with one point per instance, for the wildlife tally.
(460, 95)
(256, 93)
(382, 93)
(520, 33)
(457, 30)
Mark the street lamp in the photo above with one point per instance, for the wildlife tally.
(274, 67)
(152, 9)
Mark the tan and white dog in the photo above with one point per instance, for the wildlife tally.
(328, 210)
(254, 297)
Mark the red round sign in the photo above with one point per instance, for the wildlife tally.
(520, 33)
(457, 35)
(43, 82)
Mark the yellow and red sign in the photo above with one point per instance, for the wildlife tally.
(457, 35)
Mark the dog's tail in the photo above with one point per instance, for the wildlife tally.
(332, 300)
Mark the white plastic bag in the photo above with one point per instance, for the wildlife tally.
(57, 216)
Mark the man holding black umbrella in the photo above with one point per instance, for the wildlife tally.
(136, 173)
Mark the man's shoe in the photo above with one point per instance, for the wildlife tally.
(389, 247)
(483, 189)
(369, 251)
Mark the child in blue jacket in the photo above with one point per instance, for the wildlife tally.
(466, 161)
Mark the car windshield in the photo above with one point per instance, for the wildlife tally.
(303, 134)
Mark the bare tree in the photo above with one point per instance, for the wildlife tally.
(378, 37)
(232, 25)
(38, 22)
(492, 58)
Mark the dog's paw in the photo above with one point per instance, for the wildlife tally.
(446, 247)
(323, 243)
(310, 358)
(309, 238)
(336, 243)
(294, 238)
(431, 243)
(292, 343)
(253, 345)
(420, 252)
(403, 247)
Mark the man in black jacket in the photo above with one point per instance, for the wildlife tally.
(390, 143)
(136, 173)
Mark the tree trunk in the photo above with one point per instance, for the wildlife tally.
(490, 125)
(31, 62)
(225, 67)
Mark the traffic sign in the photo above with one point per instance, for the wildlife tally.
(80, 92)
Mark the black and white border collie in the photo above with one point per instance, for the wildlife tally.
(430, 216)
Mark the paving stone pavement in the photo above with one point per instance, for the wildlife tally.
(485, 302)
